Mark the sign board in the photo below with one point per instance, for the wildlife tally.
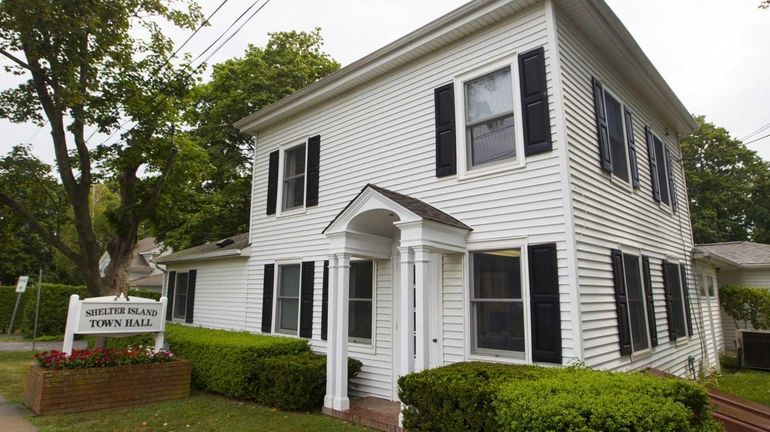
(115, 317)
(21, 285)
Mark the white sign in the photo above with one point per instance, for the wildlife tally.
(21, 285)
(115, 317)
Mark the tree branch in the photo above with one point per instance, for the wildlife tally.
(153, 201)
(28, 217)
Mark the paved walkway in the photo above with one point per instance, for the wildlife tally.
(39, 346)
(12, 418)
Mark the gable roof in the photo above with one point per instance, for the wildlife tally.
(228, 246)
(416, 206)
(742, 254)
(593, 16)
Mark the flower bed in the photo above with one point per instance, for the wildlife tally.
(95, 379)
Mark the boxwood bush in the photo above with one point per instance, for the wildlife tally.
(494, 397)
(458, 397)
(54, 301)
(588, 401)
(224, 361)
(294, 382)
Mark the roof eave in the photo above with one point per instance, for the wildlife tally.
(204, 256)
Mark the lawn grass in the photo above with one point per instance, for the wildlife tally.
(750, 384)
(201, 412)
(13, 372)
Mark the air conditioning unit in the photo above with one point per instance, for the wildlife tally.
(754, 348)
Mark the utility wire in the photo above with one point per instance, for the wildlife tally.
(171, 57)
(757, 139)
(756, 132)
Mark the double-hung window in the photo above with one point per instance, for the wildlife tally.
(662, 168)
(489, 131)
(287, 299)
(293, 178)
(676, 301)
(636, 303)
(617, 134)
(360, 305)
(180, 296)
(497, 305)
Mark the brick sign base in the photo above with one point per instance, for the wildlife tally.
(64, 391)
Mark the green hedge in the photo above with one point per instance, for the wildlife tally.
(138, 292)
(7, 302)
(54, 301)
(294, 382)
(458, 397)
(494, 397)
(223, 361)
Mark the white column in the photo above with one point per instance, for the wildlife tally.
(331, 336)
(341, 401)
(421, 324)
(405, 312)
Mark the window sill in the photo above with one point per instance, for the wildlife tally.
(641, 355)
(511, 359)
(621, 185)
(465, 174)
(361, 348)
(292, 212)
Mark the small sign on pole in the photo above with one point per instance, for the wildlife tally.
(21, 285)
(115, 317)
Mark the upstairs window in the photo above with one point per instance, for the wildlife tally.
(294, 177)
(617, 137)
(661, 169)
(615, 129)
(489, 120)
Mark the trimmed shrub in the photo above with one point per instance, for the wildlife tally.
(138, 292)
(588, 401)
(54, 301)
(223, 361)
(8, 301)
(458, 397)
(294, 382)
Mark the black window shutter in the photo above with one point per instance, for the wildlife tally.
(188, 318)
(631, 148)
(621, 302)
(267, 298)
(325, 302)
(686, 295)
(313, 170)
(605, 155)
(306, 300)
(544, 302)
(534, 102)
(669, 290)
(653, 164)
(272, 183)
(650, 301)
(671, 180)
(446, 157)
(170, 295)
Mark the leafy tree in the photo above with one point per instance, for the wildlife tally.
(85, 67)
(220, 205)
(725, 183)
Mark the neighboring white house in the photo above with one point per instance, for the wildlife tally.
(144, 272)
(735, 263)
(503, 184)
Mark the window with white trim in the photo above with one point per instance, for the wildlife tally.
(293, 184)
(180, 296)
(287, 299)
(489, 131)
(617, 134)
(360, 304)
(679, 318)
(636, 302)
(662, 169)
(497, 304)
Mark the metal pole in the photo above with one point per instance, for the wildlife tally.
(37, 305)
(13, 317)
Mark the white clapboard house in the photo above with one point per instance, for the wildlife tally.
(503, 184)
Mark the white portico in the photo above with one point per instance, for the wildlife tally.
(384, 225)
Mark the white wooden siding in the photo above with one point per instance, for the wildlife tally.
(609, 214)
(452, 309)
(754, 277)
(220, 290)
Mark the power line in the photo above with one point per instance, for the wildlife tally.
(203, 63)
(756, 132)
(757, 139)
(169, 58)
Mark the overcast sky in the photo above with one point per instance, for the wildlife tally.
(715, 54)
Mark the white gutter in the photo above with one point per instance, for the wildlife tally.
(205, 256)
